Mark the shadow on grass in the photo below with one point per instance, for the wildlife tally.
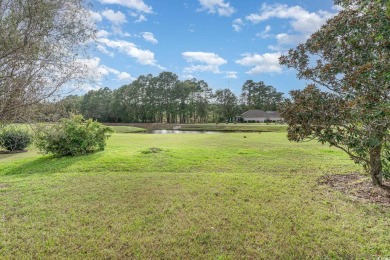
(47, 165)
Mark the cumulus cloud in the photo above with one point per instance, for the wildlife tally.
(237, 24)
(210, 62)
(104, 50)
(206, 57)
(117, 18)
(303, 22)
(96, 17)
(123, 76)
(287, 39)
(137, 5)
(148, 36)
(144, 57)
(217, 6)
(98, 72)
(261, 63)
(102, 34)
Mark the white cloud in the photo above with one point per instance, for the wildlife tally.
(144, 57)
(96, 17)
(231, 74)
(206, 57)
(98, 72)
(202, 68)
(137, 5)
(265, 33)
(104, 50)
(261, 63)
(217, 6)
(290, 39)
(303, 22)
(237, 23)
(188, 76)
(148, 36)
(141, 18)
(117, 18)
(337, 8)
(93, 69)
(210, 62)
(102, 34)
(125, 76)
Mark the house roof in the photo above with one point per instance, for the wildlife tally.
(255, 113)
(274, 113)
(260, 114)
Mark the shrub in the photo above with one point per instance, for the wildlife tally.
(73, 136)
(14, 139)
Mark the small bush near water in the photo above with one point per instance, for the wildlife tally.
(74, 136)
(14, 139)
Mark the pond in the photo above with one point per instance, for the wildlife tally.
(180, 132)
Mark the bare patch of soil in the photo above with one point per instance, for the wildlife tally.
(359, 187)
(4, 185)
(152, 150)
(11, 152)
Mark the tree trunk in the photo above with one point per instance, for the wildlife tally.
(376, 165)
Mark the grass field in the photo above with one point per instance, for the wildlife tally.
(217, 196)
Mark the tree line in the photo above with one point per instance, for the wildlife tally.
(165, 99)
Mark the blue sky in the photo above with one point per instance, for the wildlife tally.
(224, 42)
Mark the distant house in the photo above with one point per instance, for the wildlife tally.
(260, 116)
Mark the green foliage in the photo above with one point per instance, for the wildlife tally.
(226, 102)
(14, 139)
(386, 160)
(166, 99)
(74, 136)
(351, 53)
(257, 95)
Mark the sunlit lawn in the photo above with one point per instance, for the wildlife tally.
(206, 196)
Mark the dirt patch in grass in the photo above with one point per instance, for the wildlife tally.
(152, 150)
(4, 185)
(359, 187)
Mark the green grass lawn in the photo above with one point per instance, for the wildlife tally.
(211, 196)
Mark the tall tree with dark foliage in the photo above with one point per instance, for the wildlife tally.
(348, 106)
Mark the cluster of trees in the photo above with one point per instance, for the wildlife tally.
(349, 56)
(352, 60)
(165, 98)
(41, 43)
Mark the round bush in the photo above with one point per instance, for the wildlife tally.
(70, 137)
(14, 139)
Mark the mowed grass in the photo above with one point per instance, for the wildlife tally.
(210, 196)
